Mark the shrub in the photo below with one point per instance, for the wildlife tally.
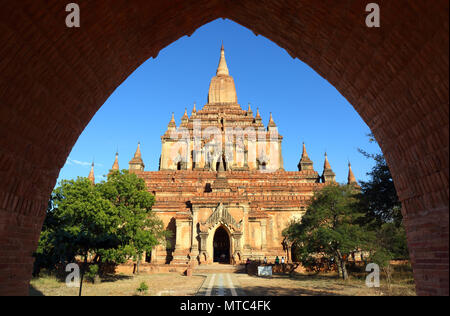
(143, 288)
(92, 273)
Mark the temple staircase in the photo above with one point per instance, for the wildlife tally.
(218, 268)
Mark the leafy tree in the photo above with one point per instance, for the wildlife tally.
(83, 222)
(108, 222)
(379, 194)
(45, 254)
(393, 239)
(383, 208)
(329, 229)
(140, 230)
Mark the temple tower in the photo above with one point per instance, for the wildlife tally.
(91, 176)
(115, 165)
(222, 89)
(328, 176)
(351, 177)
(221, 134)
(305, 163)
(136, 162)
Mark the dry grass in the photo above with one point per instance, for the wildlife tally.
(121, 285)
(322, 284)
(175, 284)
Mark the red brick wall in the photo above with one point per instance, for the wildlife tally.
(53, 80)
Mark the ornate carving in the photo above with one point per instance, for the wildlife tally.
(222, 215)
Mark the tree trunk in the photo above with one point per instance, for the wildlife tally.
(137, 265)
(388, 272)
(83, 269)
(344, 270)
(341, 266)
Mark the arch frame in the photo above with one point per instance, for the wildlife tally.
(395, 76)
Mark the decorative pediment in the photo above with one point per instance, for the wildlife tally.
(221, 215)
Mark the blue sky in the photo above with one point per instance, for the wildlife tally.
(304, 105)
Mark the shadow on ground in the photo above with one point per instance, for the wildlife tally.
(276, 291)
(319, 287)
(115, 277)
(35, 292)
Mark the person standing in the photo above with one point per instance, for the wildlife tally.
(277, 260)
(246, 265)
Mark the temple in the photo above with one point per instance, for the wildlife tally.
(221, 187)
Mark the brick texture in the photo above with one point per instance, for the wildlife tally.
(53, 80)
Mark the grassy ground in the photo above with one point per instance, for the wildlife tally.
(120, 285)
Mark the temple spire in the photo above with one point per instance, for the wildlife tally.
(328, 175)
(304, 153)
(249, 111)
(137, 154)
(305, 163)
(222, 69)
(172, 123)
(351, 177)
(185, 118)
(221, 88)
(258, 119)
(136, 162)
(271, 122)
(194, 111)
(115, 165)
(91, 176)
(326, 164)
(258, 116)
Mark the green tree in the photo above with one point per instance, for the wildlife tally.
(108, 222)
(140, 230)
(84, 222)
(379, 194)
(45, 254)
(329, 229)
(383, 208)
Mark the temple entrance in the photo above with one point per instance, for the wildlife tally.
(221, 245)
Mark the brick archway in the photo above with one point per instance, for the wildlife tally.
(53, 80)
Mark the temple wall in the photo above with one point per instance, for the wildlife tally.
(174, 151)
(260, 236)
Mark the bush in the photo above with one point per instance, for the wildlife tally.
(143, 288)
(92, 273)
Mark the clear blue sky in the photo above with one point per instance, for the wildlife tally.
(304, 105)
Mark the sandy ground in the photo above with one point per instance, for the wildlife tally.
(317, 285)
(174, 284)
(169, 284)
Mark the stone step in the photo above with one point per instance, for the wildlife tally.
(218, 268)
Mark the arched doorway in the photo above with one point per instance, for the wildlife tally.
(221, 246)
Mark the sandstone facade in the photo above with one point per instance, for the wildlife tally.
(225, 194)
